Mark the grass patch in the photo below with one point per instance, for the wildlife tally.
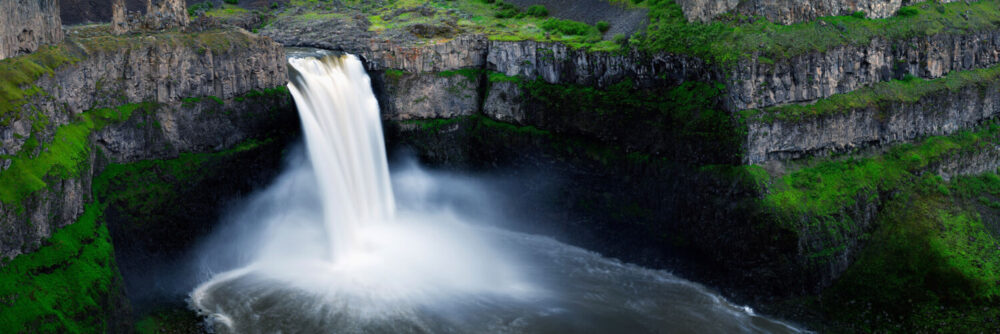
(139, 187)
(63, 158)
(732, 38)
(62, 287)
(18, 76)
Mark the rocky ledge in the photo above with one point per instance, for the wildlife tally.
(136, 97)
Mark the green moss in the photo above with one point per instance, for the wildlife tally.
(824, 189)
(62, 287)
(930, 253)
(173, 320)
(908, 90)
(139, 187)
(216, 41)
(63, 158)
(18, 76)
(500, 77)
(469, 73)
(435, 124)
(226, 10)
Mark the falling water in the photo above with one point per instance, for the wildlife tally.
(340, 118)
(323, 250)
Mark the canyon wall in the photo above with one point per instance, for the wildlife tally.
(192, 93)
(759, 82)
(27, 25)
(942, 111)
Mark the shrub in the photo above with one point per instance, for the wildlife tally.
(603, 26)
(537, 11)
(193, 9)
(566, 27)
(506, 10)
(620, 39)
(274, 5)
(907, 11)
(859, 14)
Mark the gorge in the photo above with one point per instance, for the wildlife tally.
(490, 166)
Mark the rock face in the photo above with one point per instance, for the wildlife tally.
(27, 25)
(941, 113)
(789, 11)
(408, 96)
(119, 18)
(556, 63)
(89, 11)
(164, 69)
(165, 14)
(756, 83)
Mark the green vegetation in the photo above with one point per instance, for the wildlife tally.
(496, 19)
(228, 9)
(64, 157)
(931, 252)
(820, 197)
(536, 11)
(173, 320)
(733, 38)
(217, 41)
(199, 7)
(65, 286)
(18, 76)
(603, 26)
(908, 90)
(139, 187)
(687, 113)
(566, 27)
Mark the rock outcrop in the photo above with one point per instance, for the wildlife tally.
(756, 83)
(165, 14)
(120, 22)
(196, 90)
(159, 15)
(939, 113)
(789, 11)
(26, 25)
(406, 96)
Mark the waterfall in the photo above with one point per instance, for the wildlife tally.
(322, 249)
(343, 132)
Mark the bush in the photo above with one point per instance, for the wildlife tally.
(506, 10)
(620, 39)
(231, 2)
(274, 5)
(537, 11)
(907, 11)
(566, 27)
(859, 14)
(195, 8)
(603, 26)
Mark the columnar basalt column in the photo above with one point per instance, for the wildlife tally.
(165, 14)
